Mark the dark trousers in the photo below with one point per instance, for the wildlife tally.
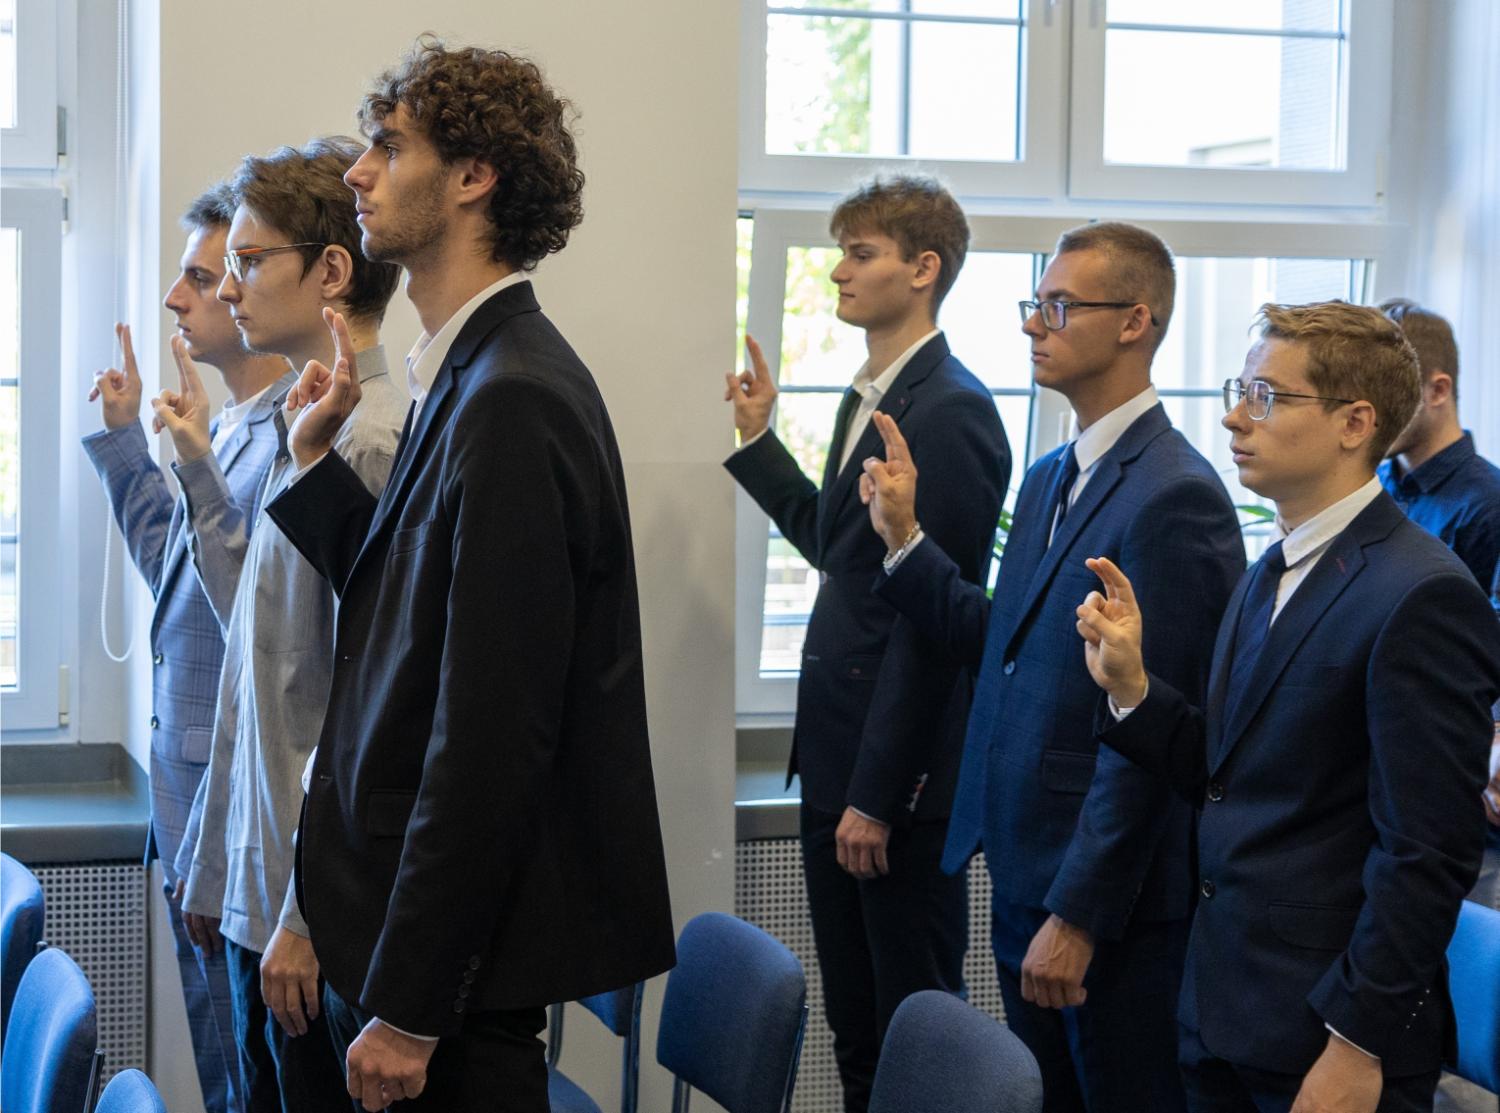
(880, 941)
(1216, 1086)
(279, 1073)
(496, 1063)
(1117, 1052)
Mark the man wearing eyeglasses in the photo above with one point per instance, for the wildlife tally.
(1088, 855)
(187, 647)
(1340, 755)
(293, 256)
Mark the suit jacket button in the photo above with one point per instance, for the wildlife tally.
(1207, 889)
(458, 1006)
(158, 659)
(468, 976)
(1215, 792)
(1010, 667)
(463, 991)
(474, 962)
(155, 722)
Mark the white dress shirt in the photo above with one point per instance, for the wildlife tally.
(427, 355)
(233, 416)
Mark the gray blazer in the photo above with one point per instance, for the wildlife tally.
(277, 613)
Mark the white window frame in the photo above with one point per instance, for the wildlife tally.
(1365, 113)
(1038, 173)
(32, 143)
(34, 704)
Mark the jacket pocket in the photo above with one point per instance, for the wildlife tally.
(407, 538)
(1319, 927)
(388, 811)
(1064, 772)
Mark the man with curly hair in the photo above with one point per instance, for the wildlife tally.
(480, 835)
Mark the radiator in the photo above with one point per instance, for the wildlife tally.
(769, 892)
(96, 912)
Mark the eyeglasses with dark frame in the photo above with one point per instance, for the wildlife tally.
(1259, 396)
(234, 261)
(1055, 313)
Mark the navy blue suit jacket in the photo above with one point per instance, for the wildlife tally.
(1064, 827)
(878, 708)
(1341, 820)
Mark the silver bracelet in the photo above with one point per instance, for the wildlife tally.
(894, 558)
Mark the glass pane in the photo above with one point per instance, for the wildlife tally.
(1261, 15)
(980, 318)
(1200, 422)
(1216, 304)
(817, 349)
(985, 9)
(8, 79)
(744, 232)
(1257, 101)
(891, 88)
(791, 588)
(10, 453)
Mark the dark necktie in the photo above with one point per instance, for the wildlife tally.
(1066, 477)
(1255, 625)
(847, 406)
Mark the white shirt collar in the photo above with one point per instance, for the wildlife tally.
(428, 353)
(1313, 534)
(1105, 433)
(234, 412)
(864, 385)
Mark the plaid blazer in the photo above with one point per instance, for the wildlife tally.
(187, 647)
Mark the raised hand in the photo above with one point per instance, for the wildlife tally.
(321, 400)
(889, 487)
(1111, 628)
(121, 390)
(184, 414)
(752, 392)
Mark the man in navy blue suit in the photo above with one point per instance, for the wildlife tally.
(1339, 757)
(1089, 856)
(880, 710)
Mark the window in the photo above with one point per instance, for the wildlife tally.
(30, 278)
(28, 83)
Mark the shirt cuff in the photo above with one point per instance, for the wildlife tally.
(1350, 1042)
(867, 815)
(404, 1032)
(300, 472)
(748, 441)
(1120, 713)
(893, 562)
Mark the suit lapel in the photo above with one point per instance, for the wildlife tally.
(839, 487)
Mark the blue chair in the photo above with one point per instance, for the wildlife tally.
(620, 1012)
(733, 1017)
(22, 912)
(942, 1055)
(51, 1060)
(1474, 984)
(130, 1091)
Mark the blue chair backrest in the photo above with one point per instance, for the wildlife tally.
(733, 1016)
(1474, 983)
(942, 1055)
(22, 912)
(48, 1061)
(130, 1091)
(620, 1010)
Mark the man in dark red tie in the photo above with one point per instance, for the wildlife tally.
(1338, 759)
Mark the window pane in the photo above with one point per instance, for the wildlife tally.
(980, 317)
(1260, 15)
(817, 349)
(8, 86)
(892, 88)
(10, 453)
(1217, 300)
(1199, 421)
(1256, 101)
(989, 9)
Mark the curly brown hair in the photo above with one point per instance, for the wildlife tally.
(497, 108)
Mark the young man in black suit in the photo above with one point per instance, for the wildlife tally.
(880, 710)
(1338, 760)
(480, 836)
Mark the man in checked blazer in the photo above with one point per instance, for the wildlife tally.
(1340, 752)
(880, 709)
(187, 647)
(1088, 855)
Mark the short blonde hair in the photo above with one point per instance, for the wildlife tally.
(1141, 265)
(915, 210)
(1355, 352)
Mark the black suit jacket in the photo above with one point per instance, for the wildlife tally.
(880, 709)
(481, 829)
(1341, 822)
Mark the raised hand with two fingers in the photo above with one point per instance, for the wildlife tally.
(1111, 628)
(752, 392)
(889, 487)
(185, 413)
(321, 399)
(120, 389)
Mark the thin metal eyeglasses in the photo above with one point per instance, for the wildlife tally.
(1055, 313)
(1258, 397)
(234, 261)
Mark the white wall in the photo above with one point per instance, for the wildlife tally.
(645, 292)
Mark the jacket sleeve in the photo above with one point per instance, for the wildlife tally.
(1184, 554)
(773, 478)
(1432, 676)
(220, 532)
(522, 495)
(138, 495)
(963, 468)
(326, 513)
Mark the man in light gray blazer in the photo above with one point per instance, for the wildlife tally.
(293, 256)
(186, 645)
